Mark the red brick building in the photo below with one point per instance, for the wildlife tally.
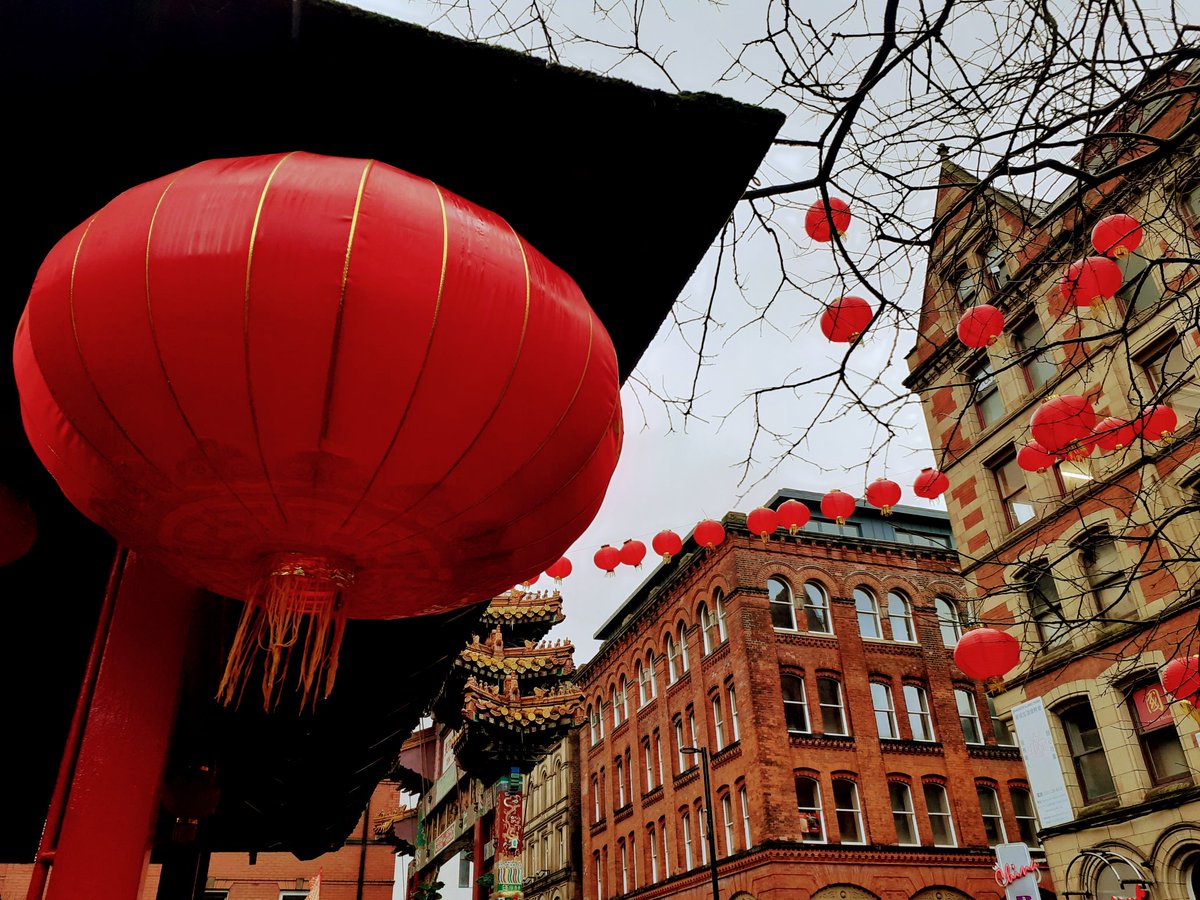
(850, 757)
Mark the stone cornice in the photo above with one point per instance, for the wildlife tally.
(823, 742)
(919, 748)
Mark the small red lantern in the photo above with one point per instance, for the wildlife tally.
(1181, 679)
(844, 320)
(667, 544)
(985, 653)
(559, 570)
(817, 219)
(607, 558)
(1090, 279)
(762, 522)
(1112, 434)
(931, 484)
(633, 552)
(18, 527)
(709, 533)
(838, 505)
(1157, 423)
(1034, 458)
(1062, 421)
(793, 515)
(980, 325)
(884, 494)
(1117, 235)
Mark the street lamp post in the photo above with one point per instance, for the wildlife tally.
(708, 817)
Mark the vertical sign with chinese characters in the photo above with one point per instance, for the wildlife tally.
(510, 828)
(1041, 763)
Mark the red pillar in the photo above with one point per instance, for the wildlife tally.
(477, 890)
(107, 830)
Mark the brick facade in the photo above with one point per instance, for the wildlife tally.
(755, 772)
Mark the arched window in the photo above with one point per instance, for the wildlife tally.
(652, 674)
(993, 821)
(672, 651)
(619, 774)
(653, 853)
(795, 705)
(950, 622)
(719, 602)
(900, 618)
(920, 720)
(624, 699)
(783, 610)
(903, 814)
(593, 725)
(706, 630)
(940, 823)
(868, 613)
(616, 707)
(686, 824)
(812, 816)
(683, 650)
(833, 715)
(1023, 812)
(816, 609)
(849, 814)
(643, 680)
(885, 712)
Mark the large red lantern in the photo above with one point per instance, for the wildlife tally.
(792, 515)
(324, 386)
(1090, 279)
(838, 505)
(1062, 421)
(559, 570)
(1181, 679)
(762, 522)
(1117, 235)
(817, 219)
(607, 558)
(980, 325)
(633, 552)
(667, 544)
(709, 533)
(984, 653)
(1034, 458)
(931, 484)
(1112, 433)
(883, 494)
(18, 527)
(844, 320)
(1157, 423)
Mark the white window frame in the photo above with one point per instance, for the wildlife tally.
(745, 816)
(683, 650)
(802, 703)
(643, 679)
(822, 606)
(809, 812)
(910, 812)
(719, 603)
(718, 722)
(920, 717)
(856, 809)
(840, 706)
(672, 654)
(687, 841)
(980, 790)
(866, 608)
(679, 745)
(885, 711)
(947, 815)
(727, 815)
(624, 867)
(705, 629)
(904, 617)
(951, 626)
(734, 724)
(653, 854)
(964, 698)
(619, 772)
(779, 601)
(649, 767)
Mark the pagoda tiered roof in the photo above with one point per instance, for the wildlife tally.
(544, 659)
(507, 707)
(520, 609)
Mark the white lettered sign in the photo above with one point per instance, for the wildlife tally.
(1016, 872)
(1041, 763)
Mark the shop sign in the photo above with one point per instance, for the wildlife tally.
(1041, 763)
(1017, 872)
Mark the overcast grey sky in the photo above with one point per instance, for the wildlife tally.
(673, 478)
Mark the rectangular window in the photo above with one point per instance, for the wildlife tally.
(867, 608)
(562, 846)
(649, 765)
(658, 770)
(968, 715)
(1087, 752)
(727, 817)
(985, 394)
(900, 618)
(812, 817)
(1155, 728)
(687, 842)
(734, 725)
(783, 613)
(940, 822)
(718, 722)
(993, 264)
(966, 286)
(1001, 728)
(701, 826)
(920, 721)
(849, 815)
(885, 715)
(795, 705)
(1012, 490)
(653, 855)
(1023, 812)
(1139, 284)
(1168, 377)
(624, 869)
(666, 847)
(619, 773)
(993, 822)
(692, 729)
(599, 875)
(597, 812)
(1038, 365)
(745, 816)
(903, 814)
(1101, 563)
(1045, 606)
(833, 716)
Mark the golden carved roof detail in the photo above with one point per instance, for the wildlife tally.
(542, 708)
(525, 606)
(385, 820)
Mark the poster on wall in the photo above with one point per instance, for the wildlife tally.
(1042, 764)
